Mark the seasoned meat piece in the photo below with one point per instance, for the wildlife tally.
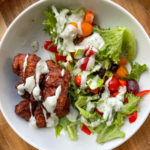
(54, 79)
(39, 116)
(23, 109)
(18, 65)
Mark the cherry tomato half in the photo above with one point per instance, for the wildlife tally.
(113, 84)
(133, 117)
(48, 45)
(78, 80)
(60, 58)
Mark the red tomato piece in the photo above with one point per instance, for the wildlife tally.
(95, 91)
(126, 100)
(50, 46)
(60, 58)
(133, 117)
(142, 93)
(100, 113)
(78, 80)
(113, 84)
(86, 130)
(122, 82)
(84, 65)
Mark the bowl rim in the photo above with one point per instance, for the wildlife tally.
(11, 26)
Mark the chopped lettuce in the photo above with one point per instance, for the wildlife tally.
(117, 41)
(137, 70)
(70, 127)
(107, 133)
(131, 106)
(50, 23)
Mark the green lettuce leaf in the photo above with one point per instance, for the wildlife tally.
(137, 70)
(108, 133)
(50, 23)
(117, 41)
(131, 106)
(70, 127)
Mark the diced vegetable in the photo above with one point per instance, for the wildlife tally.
(133, 117)
(113, 84)
(89, 52)
(74, 24)
(125, 100)
(122, 71)
(100, 113)
(122, 82)
(115, 94)
(48, 45)
(78, 80)
(122, 61)
(86, 29)
(84, 65)
(60, 58)
(86, 130)
(95, 91)
(142, 93)
(89, 16)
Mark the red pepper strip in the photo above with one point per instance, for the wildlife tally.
(115, 94)
(86, 130)
(142, 93)
(95, 91)
(126, 100)
(48, 45)
(122, 82)
(90, 52)
(60, 58)
(133, 117)
(84, 65)
(100, 113)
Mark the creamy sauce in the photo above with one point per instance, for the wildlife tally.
(111, 104)
(73, 114)
(28, 86)
(62, 72)
(61, 18)
(84, 79)
(25, 63)
(32, 120)
(93, 81)
(51, 101)
(91, 63)
(41, 68)
(90, 106)
(94, 42)
(35, 46)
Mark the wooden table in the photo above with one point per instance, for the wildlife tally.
(9, 9)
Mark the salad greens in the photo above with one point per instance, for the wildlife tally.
(100, 109)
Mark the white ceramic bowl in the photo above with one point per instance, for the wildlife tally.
(18, 38)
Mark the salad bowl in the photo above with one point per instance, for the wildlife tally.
(26, 29)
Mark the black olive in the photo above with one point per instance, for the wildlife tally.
(114, 67)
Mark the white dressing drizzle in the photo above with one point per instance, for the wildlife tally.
(91, 63)
(90, 106)
(41, 68)
(25, 63)
(51, 101)
(62, 72)
(28, 86)
(83, 79)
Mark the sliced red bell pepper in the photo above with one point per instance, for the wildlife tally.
(100, 113)
(133, 117)
(95, 91)
(60, 58)
(142, 93)
(122, 82)
(84, 65)
(89, 52)
(126, 100)
(48, 45)
(115, 94)
(86, 130)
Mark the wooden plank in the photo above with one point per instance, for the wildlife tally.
(9, 10)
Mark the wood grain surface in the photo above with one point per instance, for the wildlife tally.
(9, 9)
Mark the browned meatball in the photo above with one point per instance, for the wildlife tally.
(23, 109)
(52, 80)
